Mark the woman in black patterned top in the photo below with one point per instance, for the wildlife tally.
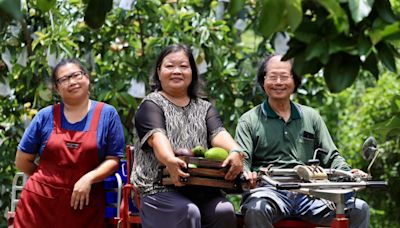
(172, 117)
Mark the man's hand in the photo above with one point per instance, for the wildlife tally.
(174, 167)
(235, 160)
(251, 177)
(80, 194)
(359, 173)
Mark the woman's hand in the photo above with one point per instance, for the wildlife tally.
(80, 194)
(251, 177)
(235, 160)
(164, 153)
(81, 191)
(174, 166)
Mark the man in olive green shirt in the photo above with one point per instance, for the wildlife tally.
(284, 134)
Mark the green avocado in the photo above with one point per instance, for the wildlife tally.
(216, 153)
(96, 12)
(199, 151)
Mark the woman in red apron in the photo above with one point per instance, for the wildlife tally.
(79, 143)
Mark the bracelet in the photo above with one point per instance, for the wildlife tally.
(240, 152)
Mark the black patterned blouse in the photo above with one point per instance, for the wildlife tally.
(185, 127)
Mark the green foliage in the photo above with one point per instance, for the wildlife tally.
(354, 115)
(9, 9)
(332, 32)
(95, 13)
(45, 5)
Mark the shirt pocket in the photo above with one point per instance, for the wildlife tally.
(306, 146)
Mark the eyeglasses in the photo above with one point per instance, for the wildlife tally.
(274, 78)
(64, 80)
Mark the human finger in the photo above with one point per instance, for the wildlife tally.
(82, 202)
(87, 199)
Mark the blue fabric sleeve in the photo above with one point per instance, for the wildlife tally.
(38, 132)
(110, 134)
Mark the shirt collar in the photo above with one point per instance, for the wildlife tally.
(267, 111)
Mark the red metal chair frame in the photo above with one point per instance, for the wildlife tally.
(293, 223)
(127, 217)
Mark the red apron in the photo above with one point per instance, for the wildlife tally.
(67, 156)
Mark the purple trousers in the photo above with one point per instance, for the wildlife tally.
(174, 209)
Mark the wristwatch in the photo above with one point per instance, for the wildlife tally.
(240, 152)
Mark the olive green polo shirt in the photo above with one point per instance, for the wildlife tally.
(267, 139)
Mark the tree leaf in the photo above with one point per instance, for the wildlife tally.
(341, 71)
(396, 104)
(364, 45)
(295, 47)
(389, 127)
(125, 98)
(302, 67)
(45, 5)
(272, 17)
(360, 9)
(371, 64)
(235, 6)
(385, 11)
(386, 55)
(95, 14)
(339, 16)
(317, 49)
(388, 32)
(307, 31)
(294, 13)
(341, 43)
(12, 8)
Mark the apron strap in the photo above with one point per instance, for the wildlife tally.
(96, 116)
(57, 117)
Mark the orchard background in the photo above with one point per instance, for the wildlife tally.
(346, 50)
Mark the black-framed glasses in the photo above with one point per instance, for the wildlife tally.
(64, 80)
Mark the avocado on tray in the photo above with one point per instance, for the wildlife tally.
(201, 162)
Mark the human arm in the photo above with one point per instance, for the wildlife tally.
(111, 146)
(224, 140)
(150, 125)
(164, 153)
(80, 193)
(33, 141)
(243, 137)
(221, 138)
(332, 159)
(25, 162)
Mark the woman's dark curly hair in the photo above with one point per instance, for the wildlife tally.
(261, 72)
(194, 87)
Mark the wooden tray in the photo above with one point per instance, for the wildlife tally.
(209, 173)
(201, 162)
